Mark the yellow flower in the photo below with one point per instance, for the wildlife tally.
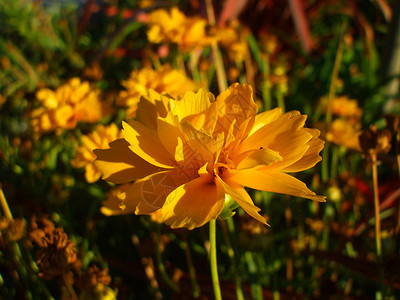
(233, 40)
(98, 139)
(174, 27)
(165, 79)
(69, 104)
(344, 132)
(345, 107)
(184, 156)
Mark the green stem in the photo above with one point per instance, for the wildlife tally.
(231, 253)
(334, 163)
(255, 286)
(377, 223)
(4, 205)
(281, 101)
(325, 163)
(161, 265)
(192, 270)
(193, 63)
(213, 260)
(266, 88)
(335, 75)
(219, 64)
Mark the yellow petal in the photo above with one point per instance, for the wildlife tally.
(145, 143)
(199, 143)
(265, 118)
(169, 132)
(91, 173)
(239, 194)
(148, 194)
(193, 103)
(111, 206)
(194, 203)
(291, 147)
(236, 103)
(150, 107)
(259, 157)
(311, 157)
(154, 190)
(274, 132)
(120, 165)
(276, 182)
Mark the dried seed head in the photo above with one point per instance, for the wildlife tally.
(39, 228)
(57, 254)
(393, 123)
(375, 141)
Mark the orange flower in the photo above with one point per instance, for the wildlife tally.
(98, 139)
(233, 39)
(184, 156)
(345, 132)
(174, 27)
(69, 104)
(165, 79)
(345, 107)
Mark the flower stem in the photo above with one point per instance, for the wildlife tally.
(376, 204)
(161, 266)
(192, 270)
(377, 221)
(69, 287)
(266, 88)
(231, 253)
(213, 260)
(255, 285)
(217, 57)
(398, 150)
(335, 75)
(4, 205)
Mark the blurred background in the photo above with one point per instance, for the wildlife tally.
(71, 71)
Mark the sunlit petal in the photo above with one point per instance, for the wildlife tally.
(239, 194)
(257, 158)
(193, 204)
(120, 165)
(145, 143)
(311, 157)
(148, 194)
(276, 182)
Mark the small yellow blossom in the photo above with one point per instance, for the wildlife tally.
(174, 27)
(182, 157)
(165, 79)
(69, 104)
(98, 139)
(112, 205)
(344, 132)
(233, 40)
(343, 106)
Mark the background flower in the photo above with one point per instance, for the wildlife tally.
(98, 139)
(164, 79)
(69, 104)
(174, 27)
